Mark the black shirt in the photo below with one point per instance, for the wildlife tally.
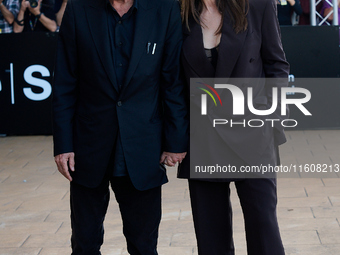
(57, 5)
(212, 55)
(121, 31)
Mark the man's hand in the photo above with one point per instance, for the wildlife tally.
(24, 5)
(35, 11)
(63, 161)
(291, 2)
(170, 159)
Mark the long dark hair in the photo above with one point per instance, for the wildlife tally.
(237, 9)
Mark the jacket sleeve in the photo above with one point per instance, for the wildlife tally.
(275, 66)
(65, 84)
(297, 7)
(176, 121)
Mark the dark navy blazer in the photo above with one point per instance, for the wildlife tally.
(150, 110)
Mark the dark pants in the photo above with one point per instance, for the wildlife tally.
(212, 213)
(140, 211)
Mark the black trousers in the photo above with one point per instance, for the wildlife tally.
(212, 214)
(140, 212)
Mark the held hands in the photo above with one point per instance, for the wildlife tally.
(64, 161)
(170, 159)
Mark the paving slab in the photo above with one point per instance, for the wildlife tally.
(35, 215)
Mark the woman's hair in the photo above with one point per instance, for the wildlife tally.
(237, 9)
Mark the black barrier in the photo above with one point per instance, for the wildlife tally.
(26, 70)
(313, 52)
(27, 60)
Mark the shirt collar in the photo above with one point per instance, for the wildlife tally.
(134, 5)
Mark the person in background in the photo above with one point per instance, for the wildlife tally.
(59, 9)
(327, 9)
(304, 18)
(285, 9)
(8, 11)
(38, 16)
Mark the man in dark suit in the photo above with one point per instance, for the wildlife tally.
(119, 111)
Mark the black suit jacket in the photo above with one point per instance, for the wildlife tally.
(150, 109)
(254, 53)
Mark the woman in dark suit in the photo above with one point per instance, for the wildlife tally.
(236, 39)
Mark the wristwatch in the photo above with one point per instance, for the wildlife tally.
(39, 15)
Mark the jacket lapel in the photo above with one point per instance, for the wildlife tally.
(97, 20)
(145, 18)
(230, 48)
(193, 51)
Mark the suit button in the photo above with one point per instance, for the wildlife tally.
(119, 103)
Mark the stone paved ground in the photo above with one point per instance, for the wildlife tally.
(34, 203)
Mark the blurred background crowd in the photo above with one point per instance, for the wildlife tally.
(297, 12)
(46, 15)
(31, 15)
